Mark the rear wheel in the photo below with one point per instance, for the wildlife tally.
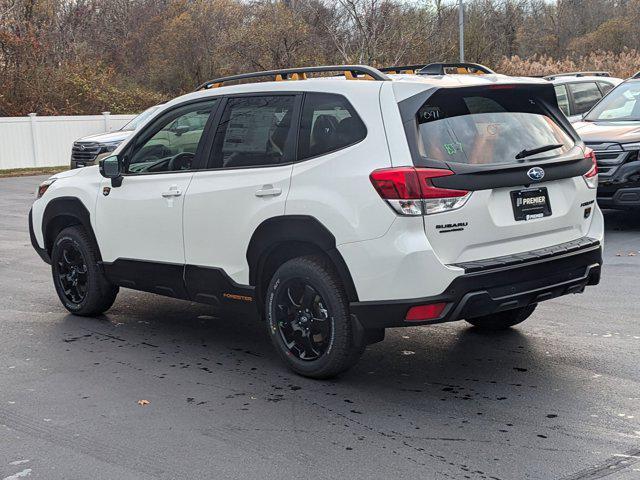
(503, 320)
(81, 286)
(308, 318)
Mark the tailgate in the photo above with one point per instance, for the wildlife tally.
(522, 162)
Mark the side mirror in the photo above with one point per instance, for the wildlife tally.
(111, 167)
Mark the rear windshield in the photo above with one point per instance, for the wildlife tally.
(483, 126)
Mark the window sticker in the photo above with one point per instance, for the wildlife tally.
(453, 148)
(249, 129)
(492, 129)
(429, 114)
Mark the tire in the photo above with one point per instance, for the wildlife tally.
(307, 306)
(74, 258)
(503, 320)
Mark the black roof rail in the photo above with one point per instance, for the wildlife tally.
(403, 68)
(351, 72)
(578, 74)
(439, 68)
(636, 75)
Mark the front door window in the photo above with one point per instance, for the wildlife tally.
(173, 141)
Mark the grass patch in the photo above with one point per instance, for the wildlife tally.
(23, 172)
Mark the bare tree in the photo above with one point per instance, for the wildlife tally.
(73, 56)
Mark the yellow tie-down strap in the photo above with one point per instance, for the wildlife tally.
(350, 76)
(468, 71)
(294, 76)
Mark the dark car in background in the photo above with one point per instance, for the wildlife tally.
(89, 150)
(612, 129)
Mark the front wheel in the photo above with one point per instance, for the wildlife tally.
(80, 284)
(503, 320)
(308, 318)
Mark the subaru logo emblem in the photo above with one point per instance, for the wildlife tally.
(535, 173)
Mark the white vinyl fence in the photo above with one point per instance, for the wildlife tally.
(35, 141)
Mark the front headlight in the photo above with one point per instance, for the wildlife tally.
(44, 186)
(631, 146)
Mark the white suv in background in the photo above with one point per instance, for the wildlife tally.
(577, 92)
(89, 150)
(335, 207)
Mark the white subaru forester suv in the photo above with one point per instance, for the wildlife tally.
(336, 207)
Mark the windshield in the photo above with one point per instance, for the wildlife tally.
(137, 121)
(488, 126)
(621, 104)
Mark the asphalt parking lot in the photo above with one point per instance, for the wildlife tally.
(556, 398)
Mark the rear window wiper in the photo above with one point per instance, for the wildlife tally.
(527, 153)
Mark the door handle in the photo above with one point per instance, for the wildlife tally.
(268, 191)
(172, 192)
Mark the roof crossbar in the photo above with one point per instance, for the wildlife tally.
(439, 68)
(578, 74)
(351, 72)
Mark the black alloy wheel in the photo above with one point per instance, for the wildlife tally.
(308, 318)
(303, 319)
(78, 278)
(72, 272)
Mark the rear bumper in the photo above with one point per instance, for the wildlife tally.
(622, 198)
(498, 284)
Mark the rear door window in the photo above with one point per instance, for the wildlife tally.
(329, 122)
(585, 95)
(485, 126)
(254, 132)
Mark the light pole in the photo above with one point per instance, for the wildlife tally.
(461, 27)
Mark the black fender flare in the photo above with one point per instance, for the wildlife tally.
(65, 211)
(296, 229)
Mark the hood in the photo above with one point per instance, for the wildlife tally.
(92, 171)
(602, 132)
(66, 174)
(117, 136)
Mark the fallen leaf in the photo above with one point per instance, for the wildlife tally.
(143, 403)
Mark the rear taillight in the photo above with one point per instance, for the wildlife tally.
(410, 191)
(591, 177)
(420, 313)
